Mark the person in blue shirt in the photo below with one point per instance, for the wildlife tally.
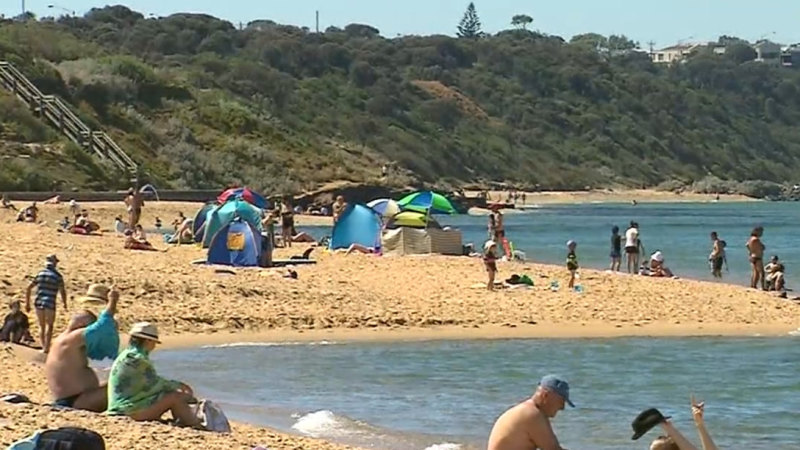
(72, 382)
(49, 284)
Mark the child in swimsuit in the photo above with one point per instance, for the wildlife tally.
(490, 261)
(572, 262)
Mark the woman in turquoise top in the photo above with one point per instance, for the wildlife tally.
(134, 388)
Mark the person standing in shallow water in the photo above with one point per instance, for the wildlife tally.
(755, 247)
(717, 256)
(616, 249)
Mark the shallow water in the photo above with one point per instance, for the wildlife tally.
(422, 394)
(679, 230)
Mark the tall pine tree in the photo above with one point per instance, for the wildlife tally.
(470, 25)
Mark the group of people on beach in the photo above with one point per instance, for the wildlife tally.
(527, 424)
(134, 388)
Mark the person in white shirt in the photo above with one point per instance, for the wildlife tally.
(632, 247)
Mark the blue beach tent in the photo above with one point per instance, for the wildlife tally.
(236, 244)
(221, 216)
(200, 219)
(358, 224)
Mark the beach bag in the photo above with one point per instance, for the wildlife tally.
(211, 417)
(70, 438)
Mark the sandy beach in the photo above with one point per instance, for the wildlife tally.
(341, 297)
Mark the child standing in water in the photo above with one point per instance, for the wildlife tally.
(616, 249)
(572, 262)
(490, 261)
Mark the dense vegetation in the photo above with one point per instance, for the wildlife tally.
(202, 103)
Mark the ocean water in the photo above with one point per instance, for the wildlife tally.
(447, 394)
(680, 230)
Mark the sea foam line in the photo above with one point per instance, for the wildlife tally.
(269, 344)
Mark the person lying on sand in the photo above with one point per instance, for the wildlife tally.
(527, 425)
(357, 248)
(29, 214)
(16, 327)
(134, 388)
(132, 243)
(72, 382)
(302, 236)
(674, 440)
(657, 267)
(183, 234)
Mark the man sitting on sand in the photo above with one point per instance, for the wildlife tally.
(527, 425)
(134, 388)
(6, 203)
(184, 233)
(775, 274)
(132, 243)
(72, 382)
(29, 214)
(657, 267)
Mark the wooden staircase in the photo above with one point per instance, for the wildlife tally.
(51, 109)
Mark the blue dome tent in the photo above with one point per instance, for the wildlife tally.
(219, 217)
(358, 224)
(236, 244)
(200, 220)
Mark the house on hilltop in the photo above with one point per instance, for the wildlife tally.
(674, 54)
(767, 50)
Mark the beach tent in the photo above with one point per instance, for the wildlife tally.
(358, 224)
(244, 193)
(418, 241)
(412, 219)
(238, 243)
(200, 219)
(221, 216)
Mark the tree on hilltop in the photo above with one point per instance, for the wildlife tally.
(470, 25)
(521, 21)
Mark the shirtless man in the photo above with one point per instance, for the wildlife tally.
(526, 426)
(134, 203)
(72, 382)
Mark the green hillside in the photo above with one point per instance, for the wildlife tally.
(202, 103)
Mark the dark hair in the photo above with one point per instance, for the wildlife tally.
(714, 233)
(757, 230)
(615, 229)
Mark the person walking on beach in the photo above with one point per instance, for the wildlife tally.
(527, 425)
(717, 256)
(755, 247)
(572, 262)
(134, 203)
(632, 244)
(49, 284)
(616, 249)
(490, 262)
(72, 382)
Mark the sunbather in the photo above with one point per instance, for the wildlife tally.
(132, 243)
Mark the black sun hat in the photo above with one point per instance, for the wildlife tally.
(646, 421)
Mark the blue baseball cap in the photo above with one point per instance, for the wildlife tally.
(557, 385)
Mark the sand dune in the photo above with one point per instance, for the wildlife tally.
(344, 296)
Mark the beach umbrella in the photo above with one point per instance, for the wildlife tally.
(244, 193)
(428, 202)
(386, 207)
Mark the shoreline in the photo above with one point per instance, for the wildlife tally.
(617, 196)
(489, 332)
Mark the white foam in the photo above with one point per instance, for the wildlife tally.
(444, 446)
(795, 332)
(322, 423)
(268, 344)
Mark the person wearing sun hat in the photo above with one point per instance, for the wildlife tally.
(134, 388)
(527, 425)
(72, 382)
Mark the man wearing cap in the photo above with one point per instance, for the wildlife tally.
(49, 283)
(134, 388)
(72, 382)
(526, 426)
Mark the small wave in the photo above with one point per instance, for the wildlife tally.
(795, 332)
(269, 344)
(444, 446)
(325, 423)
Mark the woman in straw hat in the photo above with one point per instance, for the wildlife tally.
(134, 388)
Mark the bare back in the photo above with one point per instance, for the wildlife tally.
(67, 367)
(523, 427)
